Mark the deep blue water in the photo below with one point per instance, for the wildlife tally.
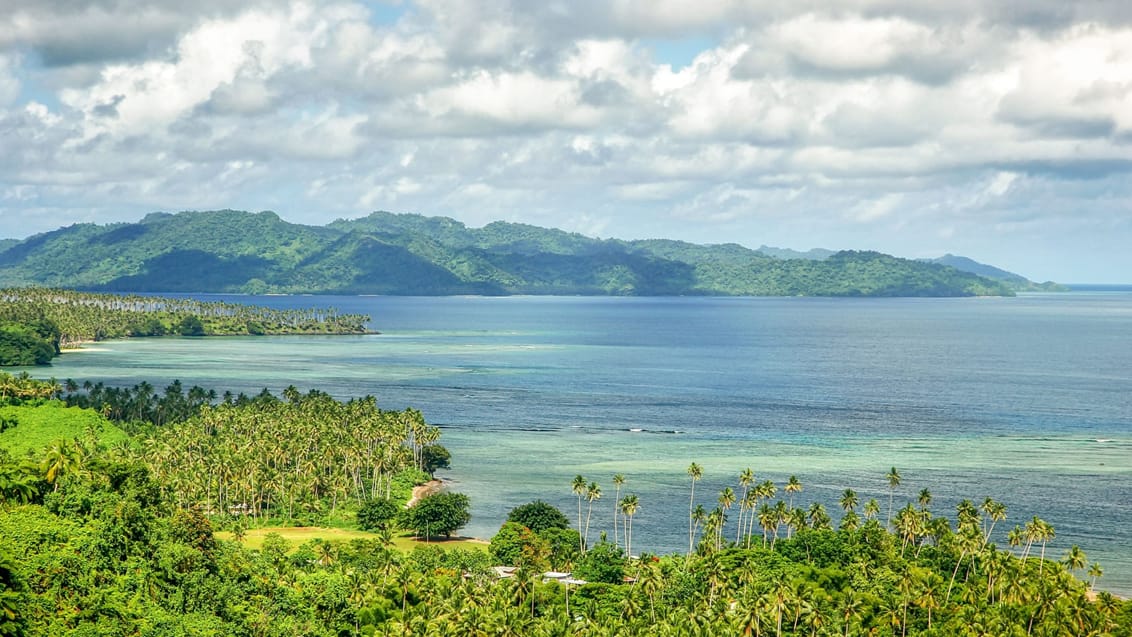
(1028, 400)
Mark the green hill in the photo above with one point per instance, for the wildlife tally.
(385, 253)
(1015, 281)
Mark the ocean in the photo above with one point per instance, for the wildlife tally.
(1027, 400)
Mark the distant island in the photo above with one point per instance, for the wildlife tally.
(37, 323)
(406, 254)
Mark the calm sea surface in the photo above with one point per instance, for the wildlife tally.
(1027, 400)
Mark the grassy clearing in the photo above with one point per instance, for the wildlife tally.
(297, 535)
(39, 425)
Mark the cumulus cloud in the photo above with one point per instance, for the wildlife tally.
(854, 123)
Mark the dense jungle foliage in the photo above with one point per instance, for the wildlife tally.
(36, 322)
(104, 534)
(231, 251)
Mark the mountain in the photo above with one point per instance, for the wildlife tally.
(815, 254)
(1015, 281)
(386, 253)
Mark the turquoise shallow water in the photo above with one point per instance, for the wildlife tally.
(1027, 400)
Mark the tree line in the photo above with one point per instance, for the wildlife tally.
(69, 318)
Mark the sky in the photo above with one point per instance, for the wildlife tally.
(1000, 130)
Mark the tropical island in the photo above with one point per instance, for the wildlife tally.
(406, 254)
(37, 323)
(133, 511)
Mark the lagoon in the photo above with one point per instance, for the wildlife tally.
(1027, 400)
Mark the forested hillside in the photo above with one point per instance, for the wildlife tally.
(384, 253)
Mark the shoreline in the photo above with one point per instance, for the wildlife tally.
(422, 491)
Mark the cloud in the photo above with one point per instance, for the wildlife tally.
(851, 123)
(9, 84)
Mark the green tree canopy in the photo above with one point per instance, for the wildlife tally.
(377, 514)
(438, 514)
(538, 516)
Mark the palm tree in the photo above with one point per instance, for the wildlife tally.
(696, 472)
(872, 509)
(618, 480)
(893, 478)
(768, 520)
(62, 458)
(746, 479)
(795, 519)
(793, 485)
(1045, 534)
(629, 506)
(593, 492)
(699, 517)
(579, 488)
(925, 499)
(1016, 536)
(726, 499)
(819, 519)
(849, 500)
(1095, 571)
(970, 540)
(1074, 559)
(996, 511)
(850, 521)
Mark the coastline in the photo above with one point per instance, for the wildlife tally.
(422, 491)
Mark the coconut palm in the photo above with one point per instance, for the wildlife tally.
(695, 472)
(872, 509)
(746, 479)
(630, 504)
(699, 518)
(618, 480)
(62, 458)
(1095, 571)
(1074, 559)
(893, 477)
(995, 512)
(848, 500)
(726, 499)
(593, 492)
(793, 485)
(795, 520)
(818, 517)
(578, 486)
(924, 499)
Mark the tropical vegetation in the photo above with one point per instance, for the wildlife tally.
(65, 318)
(108, 533)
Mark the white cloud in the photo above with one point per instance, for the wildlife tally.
(852, 123)
(9, 84)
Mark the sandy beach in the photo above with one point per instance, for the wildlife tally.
(424, 490)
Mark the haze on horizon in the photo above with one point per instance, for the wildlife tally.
(1000, 130)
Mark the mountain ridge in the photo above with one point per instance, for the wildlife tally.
(403, 254)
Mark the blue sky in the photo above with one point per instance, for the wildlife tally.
(997, 129)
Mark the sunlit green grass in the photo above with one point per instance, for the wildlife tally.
(297, 535)
(38, 426)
